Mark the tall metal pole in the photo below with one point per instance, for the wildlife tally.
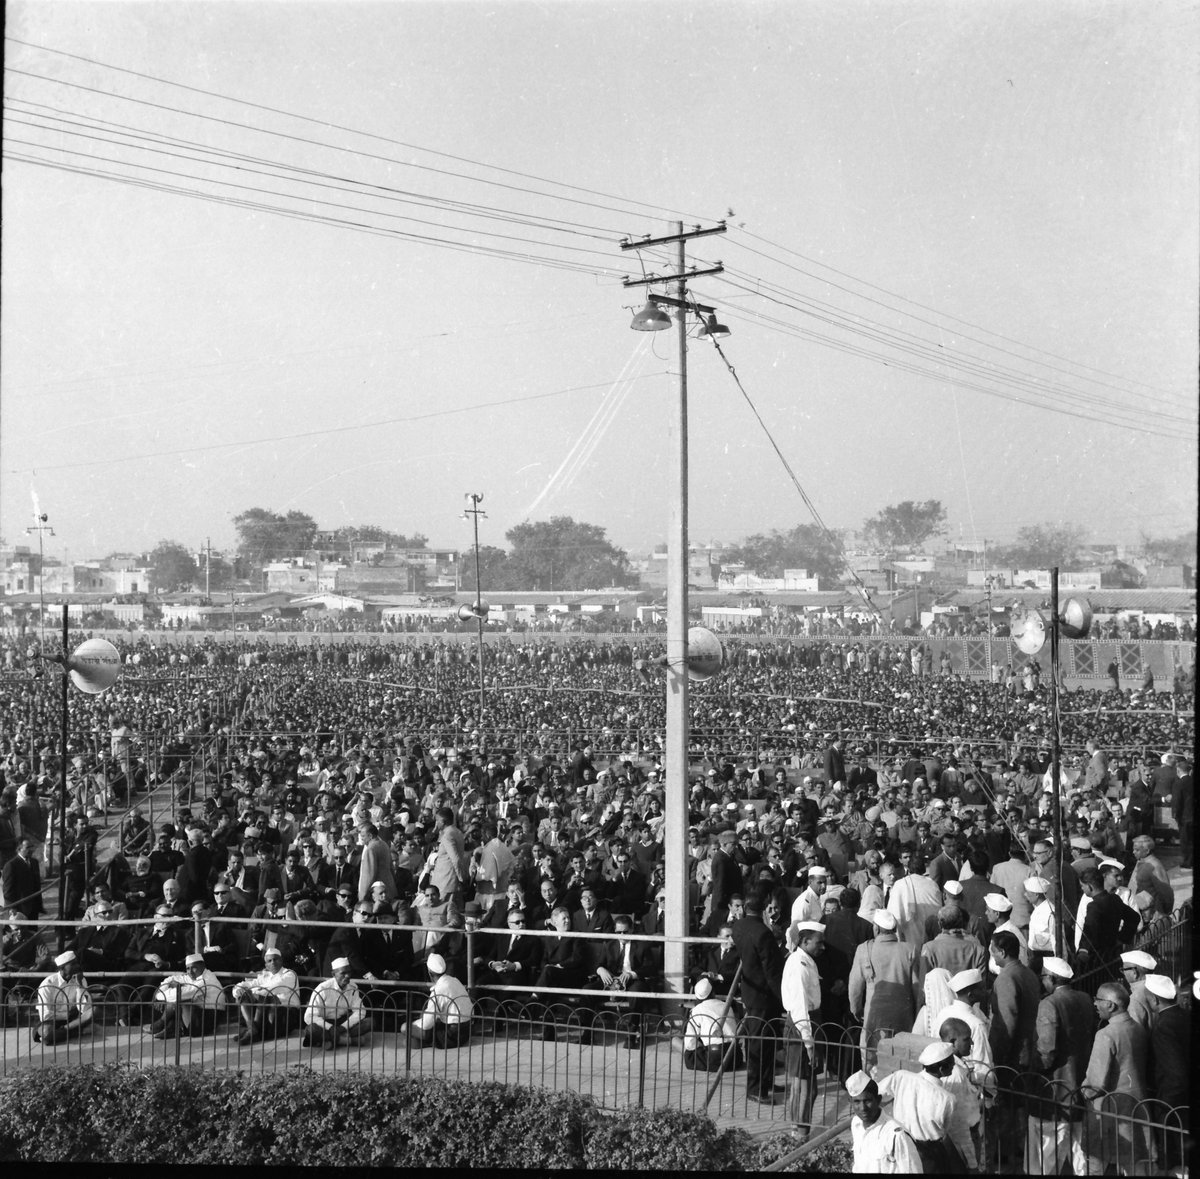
(675, 809)
(1055, 762)
(675, 776)
(474, 511)
(62, 809)
(478, 606)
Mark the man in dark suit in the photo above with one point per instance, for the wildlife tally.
(947, 865)
(102, 946)
(22, 882)
(590, 918)
(512, 958)
(762, 977)
(726, 880)
(192, 874)
(562, 966)
(834, 762)
(625, 965)
(627, 889)
(1108, 923)
(1170, 1054)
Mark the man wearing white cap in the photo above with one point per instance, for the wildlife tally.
(64, 1005)
(1041, 919)
(269, 1001)
(1135, 966)
(711, 1028)
(194, 998)
(1009, 877)
(801, 993)
(884, 994)
(999, 911)
(808, 906)
(1065, 1028)
(969, 991)
(881, 1145)
(1116, 1073)
(1170, 1054)
(446, 1020)
(336, 1013)
(924, 1108)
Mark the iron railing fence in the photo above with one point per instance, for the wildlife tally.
(622, 1048)
(1026, 1123)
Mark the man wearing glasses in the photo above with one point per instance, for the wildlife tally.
(515, 956)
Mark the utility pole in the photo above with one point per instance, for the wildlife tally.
(1056, 764)
(207, 563)
(675, 808)
(474, 498)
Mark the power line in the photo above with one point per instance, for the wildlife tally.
(334, 222)
(1134, 422)
(286, 195)
(926, 307)
(422, 200)
(366, 134)
(954, 357)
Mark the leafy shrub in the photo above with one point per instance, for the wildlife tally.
(118, 1114)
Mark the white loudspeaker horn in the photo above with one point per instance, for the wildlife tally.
(705, 655)
(469, 610)
(1075, 618)
(95, 666)
(1029, 632)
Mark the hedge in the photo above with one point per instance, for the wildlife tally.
(118, 1114)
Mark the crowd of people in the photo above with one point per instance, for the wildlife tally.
(871, 847)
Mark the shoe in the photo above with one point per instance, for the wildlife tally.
(763, 1098)
(634, 1043)
(306, 1041)
(585, 1039)
(122, 1023)
(547, 1033)
(246, 1038)
(161, 1035)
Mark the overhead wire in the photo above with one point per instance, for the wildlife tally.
(836, 317)
(834, 539)
(310, 175)
(925, 307)
(349, 130)
(967, 370)
(1113, 415)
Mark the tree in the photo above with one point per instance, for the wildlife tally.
(1181, 550)
(493, 569)
(805, 547)
(1041, 546)
(265, 536)
(561, 553)
(906, 526)
(172, 567)
(373, 533)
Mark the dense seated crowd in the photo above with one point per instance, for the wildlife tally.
(873, 845)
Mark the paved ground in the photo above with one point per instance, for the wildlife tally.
(613, 1075)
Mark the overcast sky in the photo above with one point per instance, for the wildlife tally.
(961, 264)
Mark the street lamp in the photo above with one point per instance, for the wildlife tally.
(92, 668)
(675, 776)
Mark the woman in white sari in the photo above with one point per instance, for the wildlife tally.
(938, 995)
